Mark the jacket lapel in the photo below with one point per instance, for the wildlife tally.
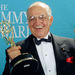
(59, 56)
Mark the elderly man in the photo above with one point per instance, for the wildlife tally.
(54, 54)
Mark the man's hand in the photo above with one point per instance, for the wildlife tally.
(13, 52)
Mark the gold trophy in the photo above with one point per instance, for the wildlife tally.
(6, 29)
(25, 63)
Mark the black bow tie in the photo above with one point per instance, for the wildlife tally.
(38, 42)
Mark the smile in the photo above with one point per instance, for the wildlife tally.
(39, 27)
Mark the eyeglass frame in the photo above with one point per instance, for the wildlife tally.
(41, 18)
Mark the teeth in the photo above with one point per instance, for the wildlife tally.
(40, 26)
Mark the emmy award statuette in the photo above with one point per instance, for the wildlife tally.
(24, 64)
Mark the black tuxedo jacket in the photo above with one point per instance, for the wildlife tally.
(63, 48)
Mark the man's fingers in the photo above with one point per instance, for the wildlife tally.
(19, 47)
(13, 52)
(14, 48)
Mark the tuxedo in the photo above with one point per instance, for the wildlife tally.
(64, 48)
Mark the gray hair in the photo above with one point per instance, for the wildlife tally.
(48, 9)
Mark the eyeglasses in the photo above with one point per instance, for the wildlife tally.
(41, 18)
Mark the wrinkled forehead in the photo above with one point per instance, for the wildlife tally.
(36, 10)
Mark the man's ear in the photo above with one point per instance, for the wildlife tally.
(51, 20)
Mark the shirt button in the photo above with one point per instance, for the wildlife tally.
(45, 54)
(49, 70)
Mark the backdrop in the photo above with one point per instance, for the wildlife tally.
(63, 12)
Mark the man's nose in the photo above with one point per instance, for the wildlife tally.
(37, 20)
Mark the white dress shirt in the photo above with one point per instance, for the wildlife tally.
(47, 57)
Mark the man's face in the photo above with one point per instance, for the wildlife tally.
(38, 21)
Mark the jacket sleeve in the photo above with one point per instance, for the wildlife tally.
(7, 65)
